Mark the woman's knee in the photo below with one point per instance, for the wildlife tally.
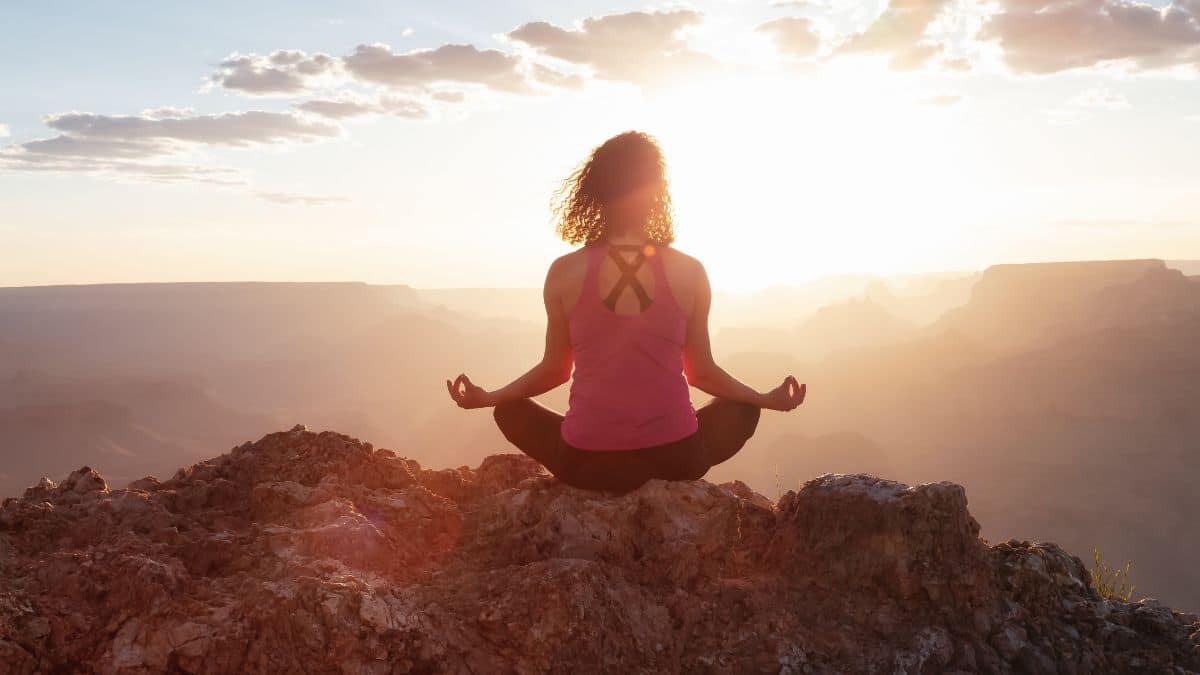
(513, 409)
(508, 415)
(504, 410)
(746, 415)
(751, 414)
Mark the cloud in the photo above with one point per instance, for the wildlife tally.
(336, 108)
(143, 145)
(639, 47)
(1048, 36)
(286, 71)
(463, 64)
(446, 96)
(18, 158)
(352, 106)
(4, 132)
(942, 100)
(792, 35)
(957, 64)
(155, 135)
(554, 78)
(167, 112)
(1101, 98)
(900, 32)
(290, 198)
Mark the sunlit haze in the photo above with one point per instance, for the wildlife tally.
(802, 139)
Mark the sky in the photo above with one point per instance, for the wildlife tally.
(421, 143)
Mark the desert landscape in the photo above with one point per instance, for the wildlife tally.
(1064, 397)
(874, 324)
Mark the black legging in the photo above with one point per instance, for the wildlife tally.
(725, 426)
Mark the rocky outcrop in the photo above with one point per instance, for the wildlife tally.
(308, 552)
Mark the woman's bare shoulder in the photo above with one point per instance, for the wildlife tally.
(568, 267)
(569, 261)
(684, 262)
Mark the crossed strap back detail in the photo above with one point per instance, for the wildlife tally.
(628, 277)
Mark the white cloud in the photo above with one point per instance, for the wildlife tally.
(167, 112)
(556, 78)
(147, 146)
(348, 106)
(646, 48)
(462, 64)
(640, 47)
(285, 71)
(155, 135)
(4, 132)
(900, 32)
(448, 96)
(793, 35)
(943, 100)
(291, 198)
(1101, 98)
(1048, 36)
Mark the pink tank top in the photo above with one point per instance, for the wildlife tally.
(628, 390)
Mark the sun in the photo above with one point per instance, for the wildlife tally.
(778, 180)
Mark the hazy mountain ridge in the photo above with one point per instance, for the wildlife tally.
(1082, 431)
(1021, 306)
(308, 551)
(131, 426)
(1085, 401)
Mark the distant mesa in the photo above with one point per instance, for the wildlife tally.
(1018, 306)
(314, 551)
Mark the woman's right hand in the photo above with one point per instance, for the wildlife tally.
(787, 396)
(467, 394)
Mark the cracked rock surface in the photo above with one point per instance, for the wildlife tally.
(315, 552)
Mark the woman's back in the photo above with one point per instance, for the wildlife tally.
(628, 327)
(570, 270)
(629, 314)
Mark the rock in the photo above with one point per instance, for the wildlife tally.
(85, 480)
(743, 491)
(269, 500)
(853, 533)
(309, 551)
(1009, 642)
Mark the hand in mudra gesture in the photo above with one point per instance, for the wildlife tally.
(787, 396)
(468, 394)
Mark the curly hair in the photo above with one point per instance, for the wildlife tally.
(621, 164)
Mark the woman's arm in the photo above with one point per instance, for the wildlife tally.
(703, 372)
(553, 370)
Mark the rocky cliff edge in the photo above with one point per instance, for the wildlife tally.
(315, 552)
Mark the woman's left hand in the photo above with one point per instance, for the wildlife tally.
(785, 397)
(467, 394)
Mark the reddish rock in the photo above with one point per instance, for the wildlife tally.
(307, 552)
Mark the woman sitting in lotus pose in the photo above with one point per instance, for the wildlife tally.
(630, 312)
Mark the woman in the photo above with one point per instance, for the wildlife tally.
(631, 314)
